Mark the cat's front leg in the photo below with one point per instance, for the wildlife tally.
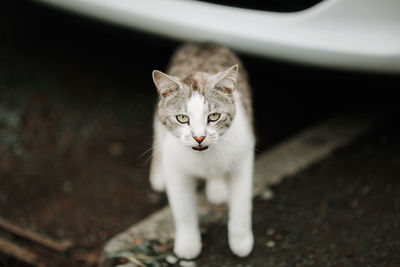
(182, 199)
(240, 234)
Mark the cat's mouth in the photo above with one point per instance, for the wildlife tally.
(199, 147)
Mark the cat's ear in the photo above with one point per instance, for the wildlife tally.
(165, 84)
(226, 79)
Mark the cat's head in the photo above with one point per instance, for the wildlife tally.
(199, 108)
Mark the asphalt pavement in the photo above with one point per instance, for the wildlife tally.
(342, 211)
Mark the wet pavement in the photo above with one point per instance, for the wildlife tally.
(76, 105)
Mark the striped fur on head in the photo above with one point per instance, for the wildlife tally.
(209, 93)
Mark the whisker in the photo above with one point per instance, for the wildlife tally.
(148, 150)
(225, 157)
(158, 148)
(234, 156)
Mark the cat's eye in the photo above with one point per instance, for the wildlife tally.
(182, 118)
(214, 117)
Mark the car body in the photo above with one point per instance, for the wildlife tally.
(362, 35)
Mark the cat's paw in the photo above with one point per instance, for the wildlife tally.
(187, 246)
(217, 191)
(241, 244)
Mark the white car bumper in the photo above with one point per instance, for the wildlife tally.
(349, 34)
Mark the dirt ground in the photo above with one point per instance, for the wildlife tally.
(76, 107)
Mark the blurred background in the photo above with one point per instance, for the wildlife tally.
(76, 107)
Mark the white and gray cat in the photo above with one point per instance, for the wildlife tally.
(203, 129)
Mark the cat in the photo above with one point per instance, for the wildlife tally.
(203, 128)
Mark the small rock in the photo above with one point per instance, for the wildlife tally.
(268, 194)
(354, 204)
(270, 231)
(171, 259)
(129, 264)
(270, 244)
(185, 263)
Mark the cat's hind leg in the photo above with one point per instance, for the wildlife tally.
(217, 190)
(157, 179)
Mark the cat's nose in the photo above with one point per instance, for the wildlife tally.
(199, 139)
